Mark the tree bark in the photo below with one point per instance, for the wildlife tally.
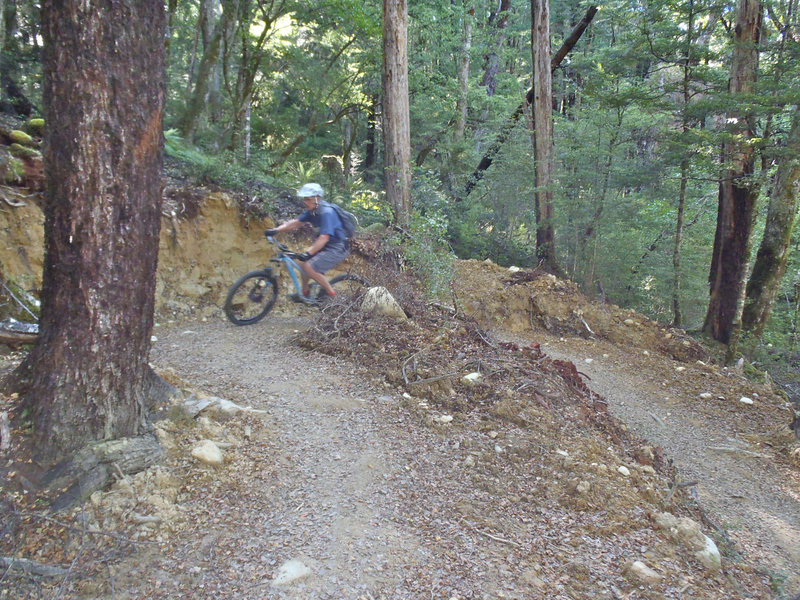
(463, 75)
(508, 127)
(87, 378)
(396, 120)
(492, 59)
(737, 190)
(542, 124)
(773, 253)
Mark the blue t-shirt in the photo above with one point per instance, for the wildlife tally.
(326, 219)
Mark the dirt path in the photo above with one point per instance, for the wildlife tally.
(340, 495)
(345, 489)
(744, 490)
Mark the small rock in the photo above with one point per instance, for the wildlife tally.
(588, 361)
(706, 395)
(471, 378)
(290, 571)
(680, 369)
(380, 300)
(513, 269)
(208, 452)
(444, 419)
(583, 487)
(469, 461)
(709, 556)
(629, 322)
(643, 573)
(746, 400)
(623, 470)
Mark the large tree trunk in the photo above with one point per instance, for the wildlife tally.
(87, 379)
(737, 190)
(542, 123)
(396, 120)
(773, 253)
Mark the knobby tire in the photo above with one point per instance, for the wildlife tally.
(251, 297)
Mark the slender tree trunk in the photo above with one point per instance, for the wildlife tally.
(463, 75)
(492, 59)
(679, 223)
(369, 150)
(87, 378)
(677, 317)
(396, 120)
(773, 253)
(542, 122)
(208, 64)
(737, 191)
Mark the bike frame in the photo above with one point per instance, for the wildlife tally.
(291, 266)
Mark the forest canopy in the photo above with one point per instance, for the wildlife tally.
(653, 109)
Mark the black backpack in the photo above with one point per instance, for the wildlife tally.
(348, 219)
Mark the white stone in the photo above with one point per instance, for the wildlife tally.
(644, 573)
(445, 418)
(745, 400)
(290, 571)
(208, 452)
(588, 361)
(583, 487)
(680, 369)
(513, 269)
(706, 395)
(471, 378)
(709, 556)
(623, 470)
(380, 300)
(629, 322)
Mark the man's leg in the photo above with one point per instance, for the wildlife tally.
(309, 272)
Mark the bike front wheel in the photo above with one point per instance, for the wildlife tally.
(251, 297)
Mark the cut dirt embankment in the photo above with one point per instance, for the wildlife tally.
(528, 490)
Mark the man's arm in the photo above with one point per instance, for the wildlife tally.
(289, 226)
(318, 244)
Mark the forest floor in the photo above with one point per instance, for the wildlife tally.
(361, 474)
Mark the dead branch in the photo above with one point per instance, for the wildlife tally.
(5, 431)
(31, 567)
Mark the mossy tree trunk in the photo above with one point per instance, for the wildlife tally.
(87, 379)
(738, 191)
(773, 253)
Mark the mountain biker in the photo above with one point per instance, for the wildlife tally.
(329, 249)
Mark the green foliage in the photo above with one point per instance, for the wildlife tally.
(424, 246)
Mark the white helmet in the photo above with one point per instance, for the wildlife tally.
(310, 189)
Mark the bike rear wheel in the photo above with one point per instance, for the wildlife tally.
(349, 285)
(251, 297)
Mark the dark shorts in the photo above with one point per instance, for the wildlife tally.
(330, 256)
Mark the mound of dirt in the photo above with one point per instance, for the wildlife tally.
(527, 300)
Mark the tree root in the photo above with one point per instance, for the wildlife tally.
(97, 466)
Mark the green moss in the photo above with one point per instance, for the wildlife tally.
(21, 138)
(22, 152)
(35, 127)
(11, 168)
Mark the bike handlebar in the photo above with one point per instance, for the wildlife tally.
(284, 249)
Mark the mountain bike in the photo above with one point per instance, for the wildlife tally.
(254, 294)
